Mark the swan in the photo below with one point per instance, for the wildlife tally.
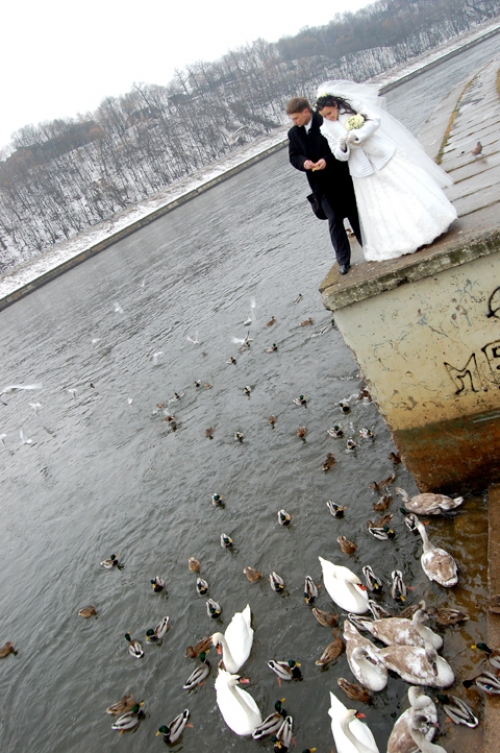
(419, 737)
(428, 503)
(237, 640)
(420, 666)
(344, 587)
(364, 659)
(402, 631)
(437, 564)
(238, 708)
(400, 739)
(350, 735)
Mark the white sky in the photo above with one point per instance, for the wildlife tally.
(60, 58)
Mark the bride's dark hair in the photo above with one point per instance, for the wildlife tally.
(329, 100)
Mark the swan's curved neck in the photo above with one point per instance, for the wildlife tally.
(425, 539)
(424, 745)
(359, 746)
(226, 653)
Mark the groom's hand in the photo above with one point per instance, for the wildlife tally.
(308, 164)
(319, 165)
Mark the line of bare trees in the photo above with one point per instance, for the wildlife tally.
(67, 175)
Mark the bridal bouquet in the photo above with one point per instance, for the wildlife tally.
(355, 121)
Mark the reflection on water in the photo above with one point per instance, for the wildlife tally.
(105, 473)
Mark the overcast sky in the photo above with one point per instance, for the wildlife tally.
(60, 58)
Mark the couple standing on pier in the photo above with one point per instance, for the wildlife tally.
(363, 165)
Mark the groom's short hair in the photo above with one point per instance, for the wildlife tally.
(298, 104)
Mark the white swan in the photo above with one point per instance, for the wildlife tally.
(400, 739)
(437, 563)
(420, 666)
(350, 735)
(238, 708)
(237, 641)
(364, 660)
(344, 587)
(402, 631)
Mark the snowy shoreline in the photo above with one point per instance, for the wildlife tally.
(64, 256)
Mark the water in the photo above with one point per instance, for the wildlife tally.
(106, 475)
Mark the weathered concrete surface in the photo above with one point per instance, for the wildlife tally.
(425, 328)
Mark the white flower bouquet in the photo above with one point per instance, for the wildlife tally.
(355, 121)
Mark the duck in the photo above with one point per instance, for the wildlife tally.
(382, 533)
(428, 503)
(231, 360)
(238, 436)
(310, 590)
(271, 321)
(238, 708)
(384, 520)
(344, 406)
(364, 659)
(350, 445)
(134, 647)
(326, 619)
(217, 500)
(377, 486)
(171, 732)
(199, 674)
(347, 546)
(236, 643)
(331, 652)
(157, 584)
(336, 432)
(226, 541)
(126, 703)
(277, 583)
(367, 434)
(418, 665)
(301, 433)
(329, 462)
(112, 562)
(284, 518)
(493, 654)
(283, 737)
(201, 587)
(130, 720)
(398, 586)
(400, 739)
(378, 611)
(447, 616)
(85, 612)
(213, 608)
(271, 421)
(383, 503)
(300, 400)
(395, 457)
(458, 711)
(271, 723)
(271, 349)
(194, 565)
(485, 681)
(307, 322)
(202, 646)
(437, 564)
(247, 390)
(349, 733)
(373, 583)
(336, 510)
(286, 670)
(252, 574)
(344, 587)
(156, 634)
(401, 631)
(354, 691)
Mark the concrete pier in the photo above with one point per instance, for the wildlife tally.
(425, 328)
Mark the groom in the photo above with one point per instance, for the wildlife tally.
(328, 178)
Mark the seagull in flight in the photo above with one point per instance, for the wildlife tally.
(16, 388)
(71, 391)
(252, 318)
(24, 438)
(195, 341)
(156, 357)
(118, 309)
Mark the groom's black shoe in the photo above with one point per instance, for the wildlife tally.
(344, 268)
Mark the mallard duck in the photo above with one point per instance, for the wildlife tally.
(446, 616)
(401, 631)
(344, 587)
(372, 582)
(458, 711)
(231, 360)
(437, 564)
(283, 737)
(252, 574)
(331, 652)
(350, 445)
(126, 703)
(382, 533)
(298, 299)
(157, 584)
(377, 486)
(329, 462)
(272, 420)
(493, 654)
(383, 503)
(202, 646)
(197, 383)
(384, 520)
(112, 562)
(247, 390)
(417, 665)
(194, 565)
(398, 586)
(336, 432)
(336, 510)
(272, 348)
(366, 434)
(301, 433)
(213, 608)
(157, 634)
(286, 670)
(236, 643)
(238, 436)
(284, 518)
(354, 691)
(364, 395)
(428, 503)
(271, 321)
(277, 583)
(173, 731)
(201, 587)
(226, 541)
(238, 708)
(395, 457)
(85, 612)
(217, 500)
(199, 674)
(349, 733)
(310, 590)
(344, 406)
(400, 739)
(300, 400)
(377, 610)
(485, 681)
(364, 659)
(348, 547)
(130, 720)
(134, 647)
(271, 723)
(326, 619)
(307, 322)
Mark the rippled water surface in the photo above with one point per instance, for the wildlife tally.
(105, 473)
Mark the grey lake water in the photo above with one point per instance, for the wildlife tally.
(100, 471)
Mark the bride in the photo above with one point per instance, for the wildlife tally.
(398, 187)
